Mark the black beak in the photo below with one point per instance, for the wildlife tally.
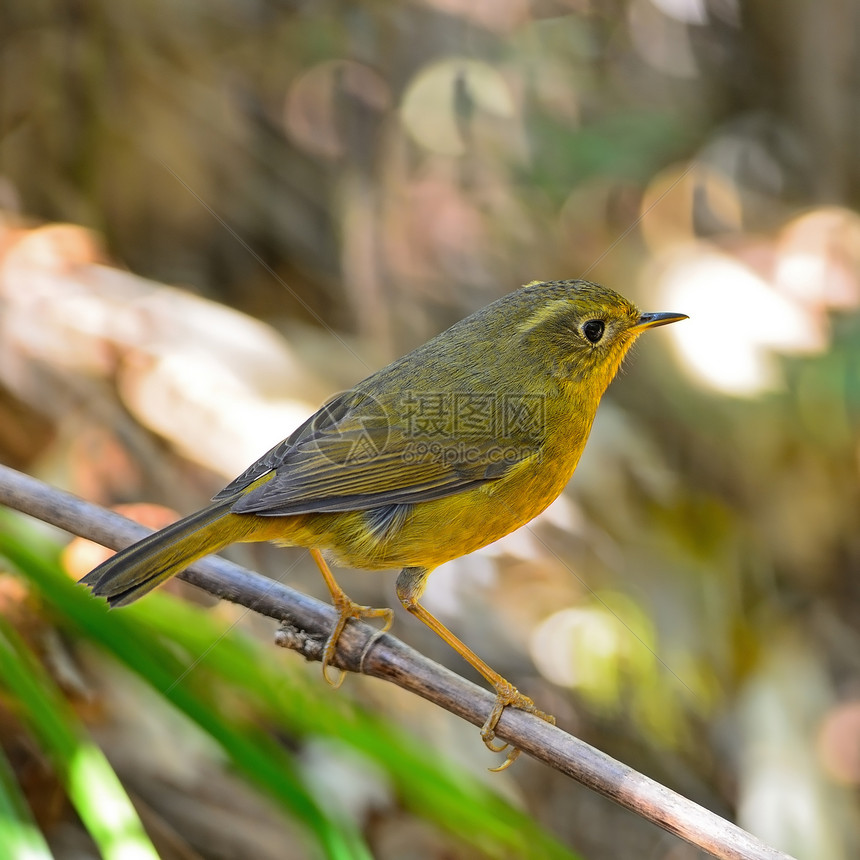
(653, 320)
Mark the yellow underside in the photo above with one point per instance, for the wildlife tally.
(434, 532)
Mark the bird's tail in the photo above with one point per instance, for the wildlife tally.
(135, 571)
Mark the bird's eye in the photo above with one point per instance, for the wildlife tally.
(593, 330)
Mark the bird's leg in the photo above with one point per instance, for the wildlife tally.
(410, 587)
(346, 609)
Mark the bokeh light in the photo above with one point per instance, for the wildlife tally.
(738, 321)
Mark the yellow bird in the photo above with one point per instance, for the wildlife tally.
(441, 452)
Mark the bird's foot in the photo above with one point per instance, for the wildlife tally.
(508, 696)
(348, 609)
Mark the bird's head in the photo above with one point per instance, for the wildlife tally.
(581, 331)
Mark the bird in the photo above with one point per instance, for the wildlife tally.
(443, 451)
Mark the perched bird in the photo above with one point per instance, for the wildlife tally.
(441, 452)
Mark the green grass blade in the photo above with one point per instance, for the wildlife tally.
(91, 784)
(20, 838)
(262, 760)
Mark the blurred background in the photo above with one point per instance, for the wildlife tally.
(213, 216)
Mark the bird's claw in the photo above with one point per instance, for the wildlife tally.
(508, 696)
(348, 609)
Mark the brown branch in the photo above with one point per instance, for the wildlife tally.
(305, 623)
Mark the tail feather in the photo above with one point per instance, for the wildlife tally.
(138, 569)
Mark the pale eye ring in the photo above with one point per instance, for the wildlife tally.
(593, 330)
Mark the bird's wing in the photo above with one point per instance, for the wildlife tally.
(350, 456)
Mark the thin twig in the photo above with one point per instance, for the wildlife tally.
(304, 626)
